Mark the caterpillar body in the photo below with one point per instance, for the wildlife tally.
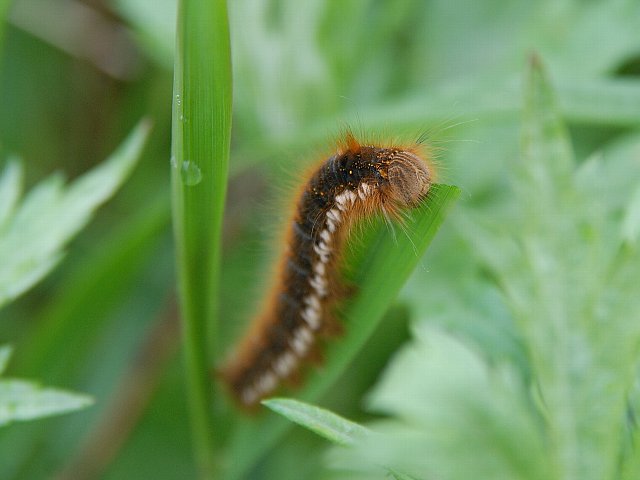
(356, 182)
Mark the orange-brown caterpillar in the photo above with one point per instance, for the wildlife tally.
(359, 180)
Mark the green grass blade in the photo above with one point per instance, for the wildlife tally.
(323, 422)
(387, 261)
(200, 156)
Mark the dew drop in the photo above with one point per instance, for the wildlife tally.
(190, 173)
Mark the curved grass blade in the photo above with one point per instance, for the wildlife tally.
(379, 271)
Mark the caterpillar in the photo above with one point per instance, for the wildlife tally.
(354, 183)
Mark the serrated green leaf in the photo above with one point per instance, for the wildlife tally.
(387, 260)
(327, 424)
(21, 400)
(33, 239)
(574, 303)
(557, 256)
(453, 417)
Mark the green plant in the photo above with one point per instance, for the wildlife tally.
(569, 278)
(473, 361)
(21, 400)
(33, 234)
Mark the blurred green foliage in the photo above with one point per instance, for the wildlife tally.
(524, 311)
(22, 400)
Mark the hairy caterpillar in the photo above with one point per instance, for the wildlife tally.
(357, 181)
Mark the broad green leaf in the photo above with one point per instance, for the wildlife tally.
(382, 257)
(327, 424)
(35, 234)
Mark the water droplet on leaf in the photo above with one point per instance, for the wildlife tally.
(190, 173)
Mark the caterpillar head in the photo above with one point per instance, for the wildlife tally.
(409, 177)
(402, 174)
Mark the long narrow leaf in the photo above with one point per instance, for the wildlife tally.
(200, 155)
(325, 423)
